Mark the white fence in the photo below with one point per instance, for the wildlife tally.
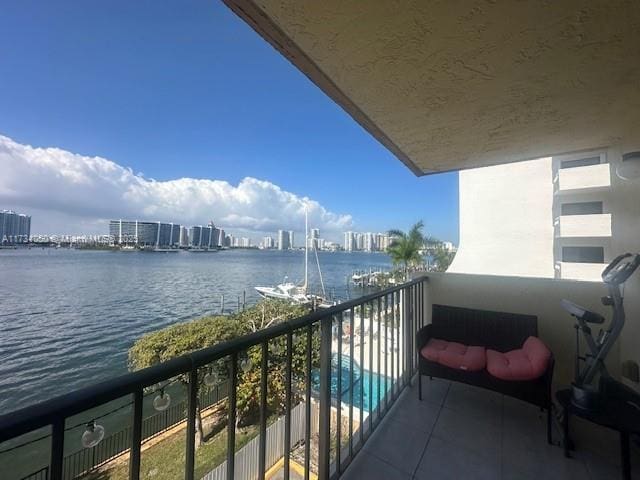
(246, 459)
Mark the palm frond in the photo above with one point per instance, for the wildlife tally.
(396, 233)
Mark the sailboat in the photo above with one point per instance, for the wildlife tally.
(285, 291)
(292, 292)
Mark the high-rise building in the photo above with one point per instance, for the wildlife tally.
(144, 234)
(313, 238)
(267, 242)
(382, 242)
(14, 227)
(215, 236)
(184, 237)
(369, 242)
(291, 242)
(349, 241)
(284, 242)
(204, 237)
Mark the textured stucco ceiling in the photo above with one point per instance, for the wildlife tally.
(464, 83)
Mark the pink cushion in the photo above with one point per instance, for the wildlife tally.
(527, 363)
(454, 355)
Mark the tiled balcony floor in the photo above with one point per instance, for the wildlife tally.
(462, 432)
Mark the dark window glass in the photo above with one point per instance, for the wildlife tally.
(582, 208)
(583, 254)
(580, 162)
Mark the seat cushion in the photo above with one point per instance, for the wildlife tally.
(527, 363)
(454, 355)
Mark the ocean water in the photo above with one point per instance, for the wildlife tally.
(68, 317)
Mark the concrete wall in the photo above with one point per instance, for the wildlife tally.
(584, 225)
(506, 224)
(581, 178)
(625, 227)
(468, 83)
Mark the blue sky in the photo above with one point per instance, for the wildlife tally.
(186, 89)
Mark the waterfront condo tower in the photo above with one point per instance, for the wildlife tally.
(14, 227)
(144, 234)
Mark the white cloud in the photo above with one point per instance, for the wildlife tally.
(78, 189)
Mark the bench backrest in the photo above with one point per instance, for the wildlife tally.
(496, 330)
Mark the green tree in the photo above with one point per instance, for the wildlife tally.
(180, 339)
(442, 258)
(405, 248)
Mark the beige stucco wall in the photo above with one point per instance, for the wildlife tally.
(467, 83)
(506, 223)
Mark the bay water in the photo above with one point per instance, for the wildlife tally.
(68, 317)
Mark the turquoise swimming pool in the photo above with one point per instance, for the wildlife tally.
(367, 389)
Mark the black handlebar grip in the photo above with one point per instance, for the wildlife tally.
(613, 264)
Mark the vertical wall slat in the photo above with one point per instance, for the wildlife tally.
(263, 411)
(325, 399)
(192, 404)
(362, 315)
(231, 426)
(136, 436)
(351, 333)
(339, 398)
(57, 449)
(287, 418)
(307, 419)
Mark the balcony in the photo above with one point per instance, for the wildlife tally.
(459, 431)
(583, 179)
(583, 226)
(590, 272)
(379, 430)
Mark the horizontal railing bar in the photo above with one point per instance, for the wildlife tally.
(45, 413)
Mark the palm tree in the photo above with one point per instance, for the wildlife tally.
(405, 247)
(442, 258)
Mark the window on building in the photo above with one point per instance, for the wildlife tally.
(583, 254)
(581, 208)
(580, 162)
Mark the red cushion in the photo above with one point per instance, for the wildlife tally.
(527, 363)
(454, 355)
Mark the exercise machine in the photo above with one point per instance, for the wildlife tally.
(592, 383)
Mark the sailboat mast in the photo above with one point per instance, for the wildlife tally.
(306, 251)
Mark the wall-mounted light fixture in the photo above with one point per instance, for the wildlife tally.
(629, 167)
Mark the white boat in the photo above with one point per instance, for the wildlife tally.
(292, 292)
(285, 291)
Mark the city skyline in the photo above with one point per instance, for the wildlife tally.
(170, 234)
(207, 131)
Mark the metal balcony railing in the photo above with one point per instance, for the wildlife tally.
(376, 331)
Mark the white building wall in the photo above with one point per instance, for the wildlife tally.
(506, 223)
(506, 228)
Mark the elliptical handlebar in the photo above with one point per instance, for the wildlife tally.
(618, 271)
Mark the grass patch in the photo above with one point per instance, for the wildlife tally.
(166, 460)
